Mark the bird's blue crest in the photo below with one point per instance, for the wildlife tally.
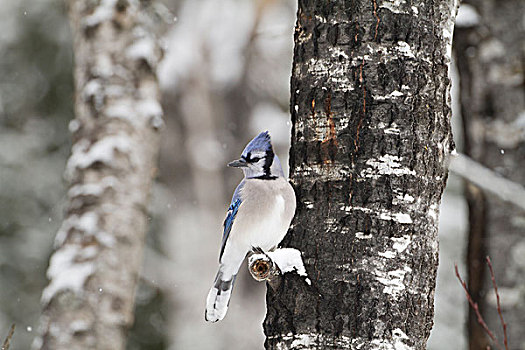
(261, 142)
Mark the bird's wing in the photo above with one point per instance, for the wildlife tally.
(230, 217)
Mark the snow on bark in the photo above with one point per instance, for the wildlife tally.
(370, 138)
(286, 259)
(467, 16)
(88, 303)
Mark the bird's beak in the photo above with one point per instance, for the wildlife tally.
(239, 163)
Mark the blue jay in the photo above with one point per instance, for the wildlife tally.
(259, 215)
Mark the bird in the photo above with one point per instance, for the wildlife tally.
(261, 210)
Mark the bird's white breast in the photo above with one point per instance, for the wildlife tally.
(279, 205)
(265, 214)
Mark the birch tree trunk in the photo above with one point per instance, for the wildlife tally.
(371, 131)
(490, 58)
(93, 273)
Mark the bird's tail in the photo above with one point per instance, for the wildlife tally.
(219, 298)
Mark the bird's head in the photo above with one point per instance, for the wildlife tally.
(258, 160)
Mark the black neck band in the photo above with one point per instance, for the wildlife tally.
(265, 177)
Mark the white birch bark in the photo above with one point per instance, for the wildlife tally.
(93, 273)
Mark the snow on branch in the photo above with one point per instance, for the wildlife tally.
(487, 179)
(264, 266)
(69, 268)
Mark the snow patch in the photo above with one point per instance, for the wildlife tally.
(393, 129)
(66, 273)
(448, 30)
(385, 165)
(105, 239)
(401, 243)
(102, 13)
(309, 340)
(149, 109)
(398, 336)
(392, 280)
(320, 19)
(287, 259)
(382, 214)
(403, 218)
(152, 111)
(408, 198)
(361, 235)
(433, 212)
(309, 205)
(393, 5)
(303, 340)
(337, 52)
(405, 49)
(393, 95)
(94, 90)
(144, 49)
(336, 171)
(388, 254)
(86, 223)
(467, 16)
(400, 199)
(122, 110)
(78, 326)
(84, 155)
(93, 189)
(333, 71)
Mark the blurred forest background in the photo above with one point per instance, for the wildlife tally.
(225, 77)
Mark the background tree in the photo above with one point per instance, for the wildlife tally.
(93, 272)
(490, 59)
(371, 132)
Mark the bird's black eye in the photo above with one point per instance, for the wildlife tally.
(248, 158)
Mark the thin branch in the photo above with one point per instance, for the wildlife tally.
(487, 179)
(7, 340)
(500, 313)
(475, 307)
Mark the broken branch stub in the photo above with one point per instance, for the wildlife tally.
(264, 266)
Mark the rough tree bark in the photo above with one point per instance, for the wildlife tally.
(490, 59)
(371, 131)
(88, 303)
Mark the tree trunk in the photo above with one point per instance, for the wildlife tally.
(371, 132)
(490, 58)
(93, 273)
